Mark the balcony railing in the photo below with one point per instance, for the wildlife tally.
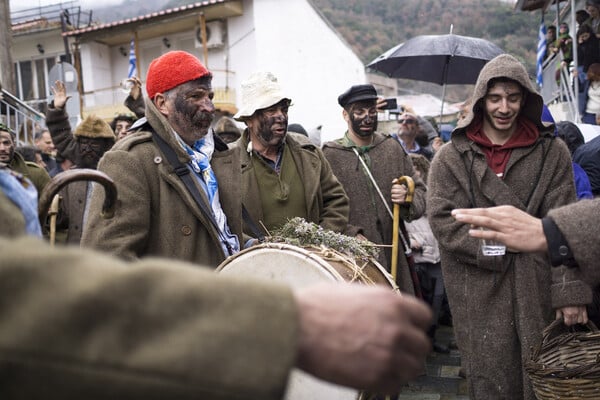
(560, 95)
(20, 118)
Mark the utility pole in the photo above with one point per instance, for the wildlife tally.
(7, 69)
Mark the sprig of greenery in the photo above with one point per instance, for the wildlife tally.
(299, 232)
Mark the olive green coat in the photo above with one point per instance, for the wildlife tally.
(325, 198)
(36, 174)
(155, 214)
(500, 305)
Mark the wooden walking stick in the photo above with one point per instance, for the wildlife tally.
(398, 234)
(72, 175)
(53, 214)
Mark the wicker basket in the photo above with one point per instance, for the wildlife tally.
(566, 364)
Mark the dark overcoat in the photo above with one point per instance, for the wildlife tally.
(501, 304)
(368, 215)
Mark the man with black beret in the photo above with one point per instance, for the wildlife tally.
(386, 160)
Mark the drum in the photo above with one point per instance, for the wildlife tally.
(299, 267)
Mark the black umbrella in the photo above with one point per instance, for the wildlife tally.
(442, 59)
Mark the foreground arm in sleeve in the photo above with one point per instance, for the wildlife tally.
(88, 324)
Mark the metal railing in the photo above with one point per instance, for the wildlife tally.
(68, 12)
(23, 120)
(562, 91)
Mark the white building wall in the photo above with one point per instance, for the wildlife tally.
(25, 46)
(97, 73)
(312, 63)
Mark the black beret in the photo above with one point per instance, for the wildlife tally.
(357, 93)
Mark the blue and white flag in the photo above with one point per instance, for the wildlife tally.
(132, 61)
(541, 52)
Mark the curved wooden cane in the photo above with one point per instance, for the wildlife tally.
(64, 178)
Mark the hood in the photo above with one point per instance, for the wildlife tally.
(506, 66)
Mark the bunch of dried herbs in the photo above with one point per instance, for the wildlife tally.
(299, 232)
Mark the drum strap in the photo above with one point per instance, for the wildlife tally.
(183, 173)
(250, 222)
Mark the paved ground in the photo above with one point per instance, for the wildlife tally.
(441, 381)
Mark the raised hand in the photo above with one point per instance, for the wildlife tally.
(60, 94)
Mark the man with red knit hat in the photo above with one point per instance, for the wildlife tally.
(166, 174)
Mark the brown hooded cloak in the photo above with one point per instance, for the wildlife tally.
(500, 304)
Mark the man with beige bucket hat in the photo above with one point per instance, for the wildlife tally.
(284, 175)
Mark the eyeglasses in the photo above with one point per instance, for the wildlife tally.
(407, 121)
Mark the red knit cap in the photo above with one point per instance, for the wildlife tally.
(172, 69)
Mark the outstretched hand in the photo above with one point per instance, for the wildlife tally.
(515, 228)
(60, 94)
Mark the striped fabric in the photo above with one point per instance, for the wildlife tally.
(541, 51)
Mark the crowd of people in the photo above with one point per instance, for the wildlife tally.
(139, 313)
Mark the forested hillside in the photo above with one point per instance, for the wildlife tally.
(373, 26)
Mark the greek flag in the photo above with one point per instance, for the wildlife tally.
(132, 60)
(541, 51)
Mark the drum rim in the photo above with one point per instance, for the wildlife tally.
(330, 269)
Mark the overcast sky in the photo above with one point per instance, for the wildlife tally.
(87, 4)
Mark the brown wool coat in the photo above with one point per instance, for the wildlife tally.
(77, 324)
(500, 305)
(326, 201)
(155, 215)
(367, 213)
(580, 225)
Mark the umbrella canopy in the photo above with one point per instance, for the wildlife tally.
(442, 59)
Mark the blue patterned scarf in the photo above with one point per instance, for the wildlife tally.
(22, 192)
(201, 154)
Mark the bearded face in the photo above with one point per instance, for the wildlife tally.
(191, 110)
(7, 147)
(363, 118)
(269, 125)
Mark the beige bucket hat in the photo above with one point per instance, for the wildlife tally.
(260, 90)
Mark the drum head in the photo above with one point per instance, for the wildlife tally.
(280, 262)
(296, 267)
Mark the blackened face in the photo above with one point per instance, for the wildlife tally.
(363, 118)
(269, 125)
(91, 151)
(7, 147)
(191, 109)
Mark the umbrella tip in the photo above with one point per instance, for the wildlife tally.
(451, 28)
